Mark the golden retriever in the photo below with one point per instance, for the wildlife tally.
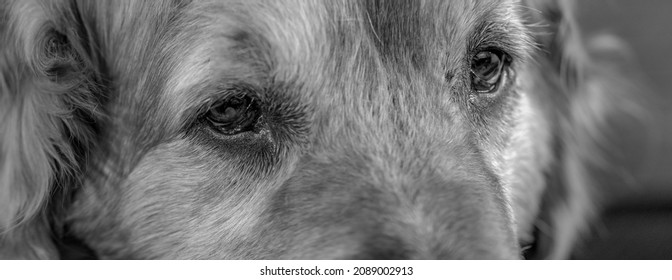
(229, 129)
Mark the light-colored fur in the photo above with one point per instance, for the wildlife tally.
(374, 144)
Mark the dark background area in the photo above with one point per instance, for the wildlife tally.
(637, 223)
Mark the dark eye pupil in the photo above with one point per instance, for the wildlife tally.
(486, 65)
(486, 69)
(228, 112)
(235, 115)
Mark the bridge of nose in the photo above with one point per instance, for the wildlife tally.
(350, 199)
(391, 159)
(392, 169)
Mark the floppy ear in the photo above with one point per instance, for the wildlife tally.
(589, 96)
(47, 117)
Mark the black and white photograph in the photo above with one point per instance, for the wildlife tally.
(393, 130)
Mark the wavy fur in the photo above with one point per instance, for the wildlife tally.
(101, 134)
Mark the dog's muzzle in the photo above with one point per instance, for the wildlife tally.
(350, 209)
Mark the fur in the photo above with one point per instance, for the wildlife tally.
(373, 143)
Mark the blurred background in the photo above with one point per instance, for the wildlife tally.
(637, 223)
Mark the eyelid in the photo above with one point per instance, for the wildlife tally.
(216, 94)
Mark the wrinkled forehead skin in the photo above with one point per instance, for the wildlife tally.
(377, 148)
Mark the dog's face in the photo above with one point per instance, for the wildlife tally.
(302, 129)
(308, 130)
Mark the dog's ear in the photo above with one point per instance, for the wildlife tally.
(591, 95)
(48, 109)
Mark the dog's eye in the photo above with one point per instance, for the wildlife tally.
(487, 68)
(234, 115)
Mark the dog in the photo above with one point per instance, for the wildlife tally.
(299, 129)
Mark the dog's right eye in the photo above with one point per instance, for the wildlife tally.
(235, 114)
(487, 69)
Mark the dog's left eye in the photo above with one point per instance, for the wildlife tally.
(234, 115)
(487, 69)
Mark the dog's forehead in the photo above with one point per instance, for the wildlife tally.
(290, 38)
(204, 44)
(417, 31)
(295, 34)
